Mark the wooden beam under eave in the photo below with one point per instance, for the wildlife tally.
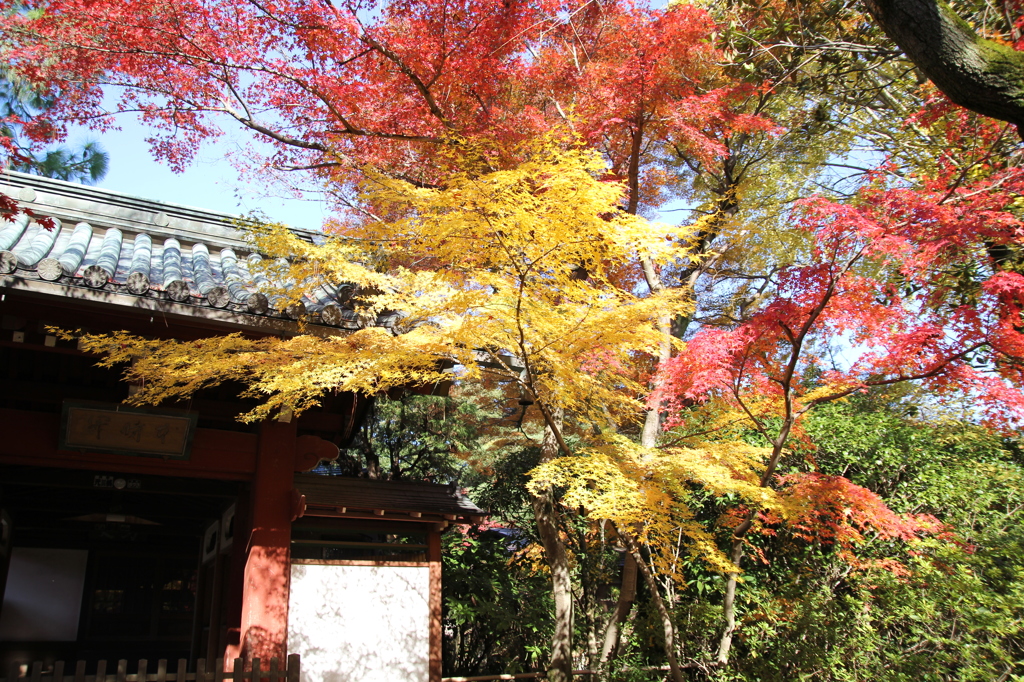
(31, 440)
(333, 513)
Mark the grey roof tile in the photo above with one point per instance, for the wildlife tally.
(114, 242)
(11, 232)
(34, 244)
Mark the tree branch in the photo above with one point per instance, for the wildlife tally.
(978, 74)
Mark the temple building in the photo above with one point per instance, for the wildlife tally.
(178, 532)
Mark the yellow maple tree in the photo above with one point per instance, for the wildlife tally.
(646, 490)
(517, 273)
(510, 272)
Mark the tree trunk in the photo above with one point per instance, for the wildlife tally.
(623, 605)
(586, 602)
(666, 617)
(978, 74)
(546, 515)
(729, 605)
(652, 419)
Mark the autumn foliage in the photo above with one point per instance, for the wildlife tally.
(333, 87)
(920, 284)
(834, 510)
(490, 164)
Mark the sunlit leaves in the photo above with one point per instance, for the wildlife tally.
(328, 87)
(649, 490)
(490, 272)
(834, 510)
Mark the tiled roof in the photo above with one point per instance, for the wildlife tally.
(347, 496)
(142, 249)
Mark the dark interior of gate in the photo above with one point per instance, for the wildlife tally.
(132, 545)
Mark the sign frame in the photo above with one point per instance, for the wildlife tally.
(115, 426)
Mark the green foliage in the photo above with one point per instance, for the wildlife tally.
(418, 437)
(504, 493)
(497, 610)
(948, 607)
(945, 608)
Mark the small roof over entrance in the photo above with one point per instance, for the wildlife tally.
(355, 498)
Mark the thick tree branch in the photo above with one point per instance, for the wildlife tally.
(978, 74)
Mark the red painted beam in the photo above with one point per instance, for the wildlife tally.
(31, 438)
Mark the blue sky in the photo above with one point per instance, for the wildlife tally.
(211, 182)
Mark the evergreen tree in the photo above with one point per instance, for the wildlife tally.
(21, 104)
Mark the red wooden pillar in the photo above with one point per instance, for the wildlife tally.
(434, 557)
(264, 624)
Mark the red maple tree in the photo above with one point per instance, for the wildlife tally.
(335, 86)
(919, 279)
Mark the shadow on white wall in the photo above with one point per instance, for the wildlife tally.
(360, 623)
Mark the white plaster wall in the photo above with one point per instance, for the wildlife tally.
(360, 623)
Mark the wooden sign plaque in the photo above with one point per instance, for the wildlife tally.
(121, 430)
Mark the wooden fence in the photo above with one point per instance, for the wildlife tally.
(35, 672)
